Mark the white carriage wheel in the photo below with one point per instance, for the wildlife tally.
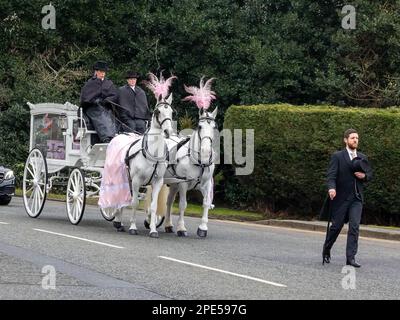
(108, 213)
(34, 184)
(76, 196)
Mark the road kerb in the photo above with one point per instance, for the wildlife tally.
(366, 232)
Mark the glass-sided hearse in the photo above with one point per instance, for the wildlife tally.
(64, 150)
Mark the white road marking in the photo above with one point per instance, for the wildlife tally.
(77, 238)
(4, 222)
(223, 271)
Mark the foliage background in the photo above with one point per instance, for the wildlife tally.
(259, 51)
(293, 146)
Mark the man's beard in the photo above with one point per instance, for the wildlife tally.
(352, 146)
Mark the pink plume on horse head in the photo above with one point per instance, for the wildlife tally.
(159, 87)
(201, 96)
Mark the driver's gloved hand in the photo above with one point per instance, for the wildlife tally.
(106, 103)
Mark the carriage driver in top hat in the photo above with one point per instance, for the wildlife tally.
(134, 109)
(96, 95)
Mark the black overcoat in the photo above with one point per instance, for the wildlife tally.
(97, 90)
(133, 103)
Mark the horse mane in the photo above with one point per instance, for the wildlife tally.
(202, 96)
(159, 87)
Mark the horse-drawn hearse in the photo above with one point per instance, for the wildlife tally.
(65, 151)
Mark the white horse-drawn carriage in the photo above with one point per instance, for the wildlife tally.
(65, 152)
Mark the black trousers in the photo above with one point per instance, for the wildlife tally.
(102, 120)
(138, 125)
(353, 209)
(129, 124)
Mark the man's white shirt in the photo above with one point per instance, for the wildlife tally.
(350, 152)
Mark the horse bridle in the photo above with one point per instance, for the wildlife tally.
(196, 162)
(157, 112)
(145, 150)
(208, 119)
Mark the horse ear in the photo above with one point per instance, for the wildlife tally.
(169, 99)
(214, 114)
(201, 112)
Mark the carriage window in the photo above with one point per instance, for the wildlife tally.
(75, 142)
(48, 137)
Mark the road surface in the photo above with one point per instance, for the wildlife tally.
(235, 261)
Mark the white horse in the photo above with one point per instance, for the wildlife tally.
(192, 168)
(148, 160)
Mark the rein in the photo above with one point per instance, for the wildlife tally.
(145, 149)
(191, 149)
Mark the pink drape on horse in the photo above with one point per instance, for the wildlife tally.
(114, 190)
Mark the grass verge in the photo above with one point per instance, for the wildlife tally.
(192, 210)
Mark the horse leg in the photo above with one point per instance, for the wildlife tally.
(135, 203)
(117, 223)
(169, 227)
(162, 205)
(146, 206)
(181, 229)
(205, 190)
(157, 185)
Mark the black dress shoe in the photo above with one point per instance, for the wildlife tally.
(326, 256)
(353, 263)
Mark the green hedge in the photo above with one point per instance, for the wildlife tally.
(14, 138)
(293, 145)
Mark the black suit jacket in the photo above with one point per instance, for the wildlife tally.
(340, 176)
(134, 103)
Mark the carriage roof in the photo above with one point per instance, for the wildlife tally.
(55, 108)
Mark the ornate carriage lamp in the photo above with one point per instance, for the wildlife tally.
(63, 122)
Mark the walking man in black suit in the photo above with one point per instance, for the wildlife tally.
(346, 179)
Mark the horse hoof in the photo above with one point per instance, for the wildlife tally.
(154, 235)
(133, 232)
(182, 233)
(146, 224)
(117, 225)
(169, 229)
(202, 233)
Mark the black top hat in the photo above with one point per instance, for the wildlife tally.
(132, 74)
(100, 65)
(360, 165)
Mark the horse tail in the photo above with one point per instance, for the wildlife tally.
(161, 202)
